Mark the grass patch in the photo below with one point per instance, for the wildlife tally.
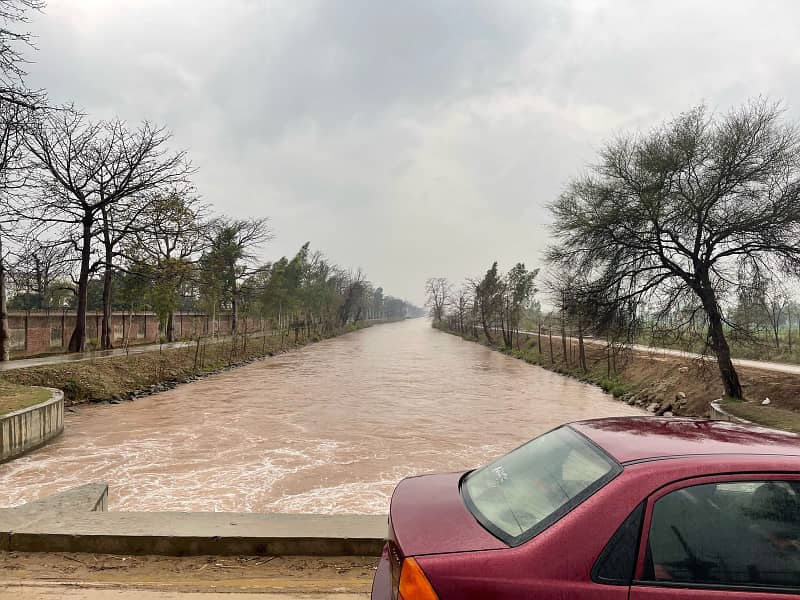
(14, 397)
(769, 416)
(613, 386)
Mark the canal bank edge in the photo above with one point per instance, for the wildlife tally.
(30, 428)
(117, 379)
(77, 521)
(667, 386)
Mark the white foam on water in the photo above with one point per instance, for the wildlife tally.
(330, 428)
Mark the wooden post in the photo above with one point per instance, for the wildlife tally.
(540, 337)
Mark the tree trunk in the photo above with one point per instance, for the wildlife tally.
(719, 344)
(5, 341)
(77, 342)
(540, 338)
(170, 328)
(504, 325)
(234, 312)
(564, 340)
(581, 350)
(105, 337)
(789, 321)
(486, 329)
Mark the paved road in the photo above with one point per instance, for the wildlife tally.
(81, 592)
(740, 362)
(58, 359)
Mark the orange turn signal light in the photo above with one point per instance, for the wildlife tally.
(414, 585)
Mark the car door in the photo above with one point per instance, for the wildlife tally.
(733, 537)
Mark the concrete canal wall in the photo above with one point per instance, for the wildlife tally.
(29, 428)
(717, 413)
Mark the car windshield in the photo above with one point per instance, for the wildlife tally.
(528, 489)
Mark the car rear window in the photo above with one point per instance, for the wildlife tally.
(530, 488)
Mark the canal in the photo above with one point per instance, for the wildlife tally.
(329, 428)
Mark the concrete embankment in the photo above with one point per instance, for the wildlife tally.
(31, 427)
(77, 521)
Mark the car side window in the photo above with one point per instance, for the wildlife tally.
(743, 533)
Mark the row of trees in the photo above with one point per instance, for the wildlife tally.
(689, 231)
(496, 302)
(103, 213)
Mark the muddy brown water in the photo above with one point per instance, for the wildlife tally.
(330, 428)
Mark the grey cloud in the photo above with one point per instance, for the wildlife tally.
(412, 138)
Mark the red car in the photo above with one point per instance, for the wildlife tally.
(618, 509)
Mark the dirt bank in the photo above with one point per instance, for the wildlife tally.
(120, 378)
(295, 574)
(667, 385)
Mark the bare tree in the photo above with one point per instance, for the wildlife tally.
(354, 287)
(84, 168)
(39, 265)
(12, 178)
(437, 290)
(676, 211)
(13, 90)
(461, 306)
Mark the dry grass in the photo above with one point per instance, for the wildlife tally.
(769, 416)
(660, 379)
(14, 397)
(105, 378)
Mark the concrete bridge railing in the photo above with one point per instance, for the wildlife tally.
(29, 428)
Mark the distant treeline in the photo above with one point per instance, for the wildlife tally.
(496, 304)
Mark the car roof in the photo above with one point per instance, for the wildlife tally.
(630, 439)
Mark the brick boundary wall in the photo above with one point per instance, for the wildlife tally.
(43, 332)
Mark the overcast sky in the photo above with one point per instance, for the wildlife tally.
(410, 138)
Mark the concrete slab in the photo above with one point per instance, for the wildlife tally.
(192, 534)
(83, 499)
(76, 521)
(91, 497)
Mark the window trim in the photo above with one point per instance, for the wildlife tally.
(691, 482)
